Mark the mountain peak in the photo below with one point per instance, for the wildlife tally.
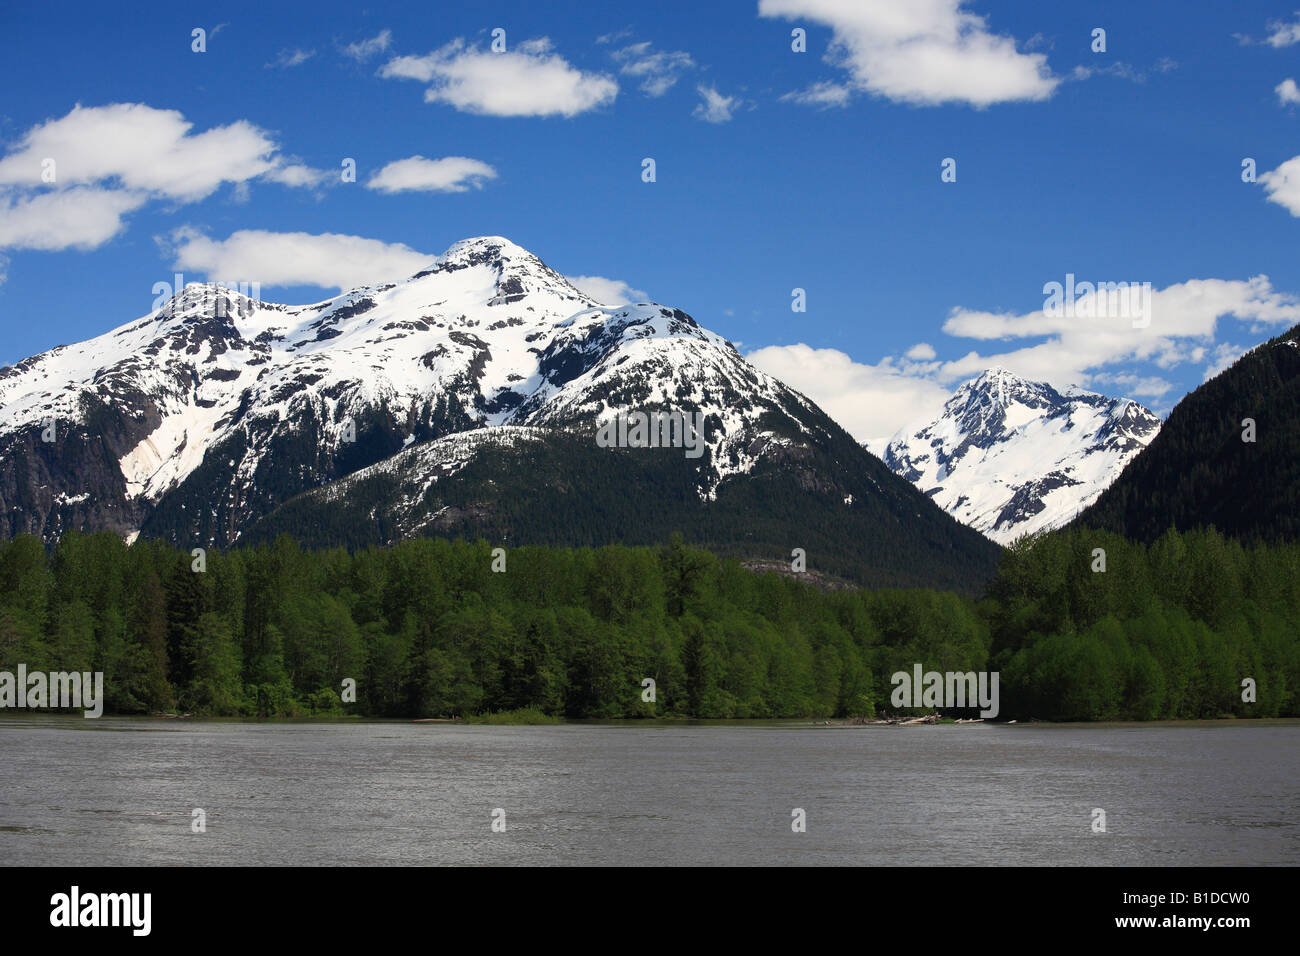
(998, 373)
(206, 300)
(518, 271)
(999, 381)
(487, 250)
(484, 245)
(982, 402)
(1009, 456)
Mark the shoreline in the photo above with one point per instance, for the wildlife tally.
(928, 720)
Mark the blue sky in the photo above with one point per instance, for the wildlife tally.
(775, 170)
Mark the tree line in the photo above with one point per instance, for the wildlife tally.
(428, 628)
(1169, 630)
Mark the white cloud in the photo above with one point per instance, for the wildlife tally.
(823, 95)
(297, 175)
(365, 49)
(609, 292)
(451, 174)
(875, 401)
(1288, 94)
(1132, 384)
(530, 80)
(1183, 320)
(871, 401)
(716, 108)
(329, 260)
(1283, 34)
(1224, 355)
(141, 148)
(291, 58)
(658, 70)
(924, 52)
(1186, 309)
(82, 217)
(1282, 185)
(110, 160)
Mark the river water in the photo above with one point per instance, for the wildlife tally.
(83, 792)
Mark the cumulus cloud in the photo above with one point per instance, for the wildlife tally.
(658, 70)
(923, 52)
(69, 181)
(327, 260)
(1288, 94)
(529, 80)
(871, 401)
(451, 174)
(715, 107)
(609, 292)
(299, 175)
(79, 218)
(874, 401)
(365, 49)
(1283, 34)
(1282, 185)
(142, 148)
(1183, 319)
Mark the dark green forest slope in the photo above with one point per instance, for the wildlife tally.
(1200, 472)
(852, 516)
(427, 628)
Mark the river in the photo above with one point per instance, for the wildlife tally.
(114, 791)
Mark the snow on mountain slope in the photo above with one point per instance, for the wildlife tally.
(432, 461)
(1010, 457)
(209, 351)
(216, 407)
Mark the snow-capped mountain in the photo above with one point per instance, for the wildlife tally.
(1010, 457)
(204, 417)
(487, 336)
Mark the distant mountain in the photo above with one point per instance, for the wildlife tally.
(1199, 471)
(466, 399)
(1010, 457)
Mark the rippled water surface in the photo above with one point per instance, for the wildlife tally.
(121, 791)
